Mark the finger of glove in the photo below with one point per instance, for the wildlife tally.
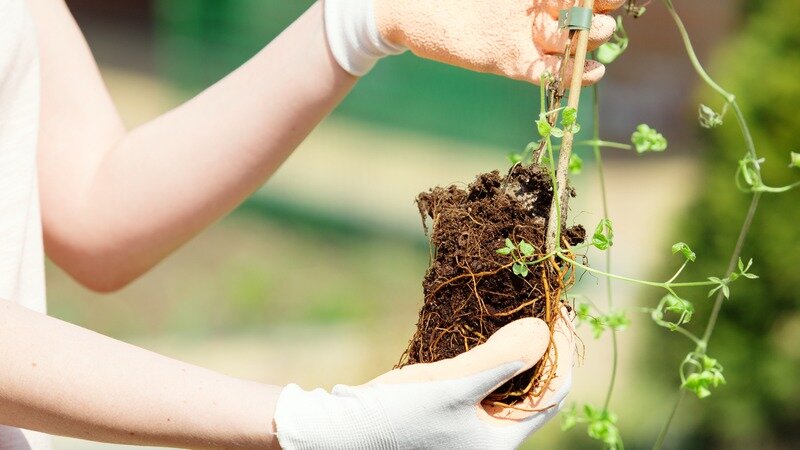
(558, 362)
(593, 71)
(512, 349)
(551, 39)
(554, 7)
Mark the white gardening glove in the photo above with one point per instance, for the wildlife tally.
(436, 405)
(518, 39)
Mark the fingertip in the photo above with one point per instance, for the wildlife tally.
(603, 28)
(605, 6)
(593, 71)
(528, 338)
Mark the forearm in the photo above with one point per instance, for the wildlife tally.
(133, 197)
(61, 379)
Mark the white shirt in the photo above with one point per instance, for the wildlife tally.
(21, 249)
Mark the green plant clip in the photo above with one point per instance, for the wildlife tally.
(575, 18)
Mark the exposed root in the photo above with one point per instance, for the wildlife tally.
(471, 290)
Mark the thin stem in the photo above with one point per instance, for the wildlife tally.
(662, 435)
(678, 272)
(662, 285)
(689, 335)
(737, 252)
(596, 142)
(693, 56)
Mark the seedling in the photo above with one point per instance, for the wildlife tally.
(523, 255)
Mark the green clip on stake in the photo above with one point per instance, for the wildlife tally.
(575, 18)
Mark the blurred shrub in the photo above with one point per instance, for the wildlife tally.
(758, 334)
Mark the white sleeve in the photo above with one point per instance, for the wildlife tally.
(353, 35)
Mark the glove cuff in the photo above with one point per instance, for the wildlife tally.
(347, 419)
(353, 35)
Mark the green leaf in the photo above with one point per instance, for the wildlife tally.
(646, 139)
(543, 126)
(569, 117)
(504, 251)
(557, 133)
(569, 418)
(515, 158)
(708, 117)
(520, 269)
(617, 320)
(683, 248)
(597, 327)
(591, 412)
(510, 244)
(795, 160)
(582, 311)
(680, 306)
(525, 248)
(726, 291)
(603, 237)
(575, 164)
(569, 120)
(609, 52)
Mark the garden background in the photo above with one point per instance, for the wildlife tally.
(316, 279)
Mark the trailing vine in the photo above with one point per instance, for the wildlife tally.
(699, 372)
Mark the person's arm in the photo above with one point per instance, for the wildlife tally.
(114, 202)
(62, 379)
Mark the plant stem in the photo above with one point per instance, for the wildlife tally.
(737, 252)
(663, 285)
(751, 150)
(562, 172)
(662, 435)
(693, 56)
(596, 143)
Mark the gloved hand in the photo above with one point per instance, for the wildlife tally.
(518, 39)
(435, 405)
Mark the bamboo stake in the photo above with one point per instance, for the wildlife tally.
(561, 197)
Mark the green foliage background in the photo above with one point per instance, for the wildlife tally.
(758, 336)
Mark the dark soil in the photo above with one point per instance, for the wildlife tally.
(470, 289)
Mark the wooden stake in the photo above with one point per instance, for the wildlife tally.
(562, 172)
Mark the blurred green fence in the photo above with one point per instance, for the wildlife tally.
(202, 40)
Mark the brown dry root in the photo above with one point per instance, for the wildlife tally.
(470, 289)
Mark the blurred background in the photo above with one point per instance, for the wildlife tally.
(316, 279)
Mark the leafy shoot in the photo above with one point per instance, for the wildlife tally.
(575, 164)
(709, 118)
(700, 373)
(687, 252)
(603, 237)
(523, 254)
(610, 51)
(601, 424)
(646, 139)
